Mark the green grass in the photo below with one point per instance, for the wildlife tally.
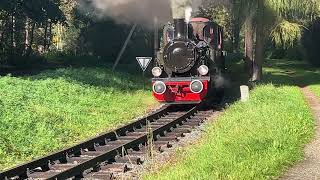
(254, 140)
(315, 89)
(291, 73)
(55, 109)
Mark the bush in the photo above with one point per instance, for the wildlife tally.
(310, 40)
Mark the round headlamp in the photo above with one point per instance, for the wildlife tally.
(159, 87)
(203, 70)
(156, 71)
(196, 86)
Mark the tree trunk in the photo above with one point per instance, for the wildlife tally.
(4, 31)
(236, 38)
(249, 43)
(13, 43)
(50, 35)
(45, 40)
(259, 57)
(4, 26)
(259, 54)
(2, 37)
(31, 39)
(236, 27)
(27, 35)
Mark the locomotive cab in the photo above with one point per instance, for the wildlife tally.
(189, 59)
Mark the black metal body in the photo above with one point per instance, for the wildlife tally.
(179, 56)
(184, 48)
(188, 50)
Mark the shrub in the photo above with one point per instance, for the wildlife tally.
(310, 40)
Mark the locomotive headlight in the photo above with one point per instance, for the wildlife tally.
(156, 72)
(196, 86)
(159, 87)
(203, 70)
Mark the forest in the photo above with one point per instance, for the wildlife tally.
(38, 32)
(58, 88)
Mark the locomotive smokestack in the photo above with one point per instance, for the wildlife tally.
(181, 30)
(179, 9)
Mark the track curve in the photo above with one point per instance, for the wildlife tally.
(103, 156)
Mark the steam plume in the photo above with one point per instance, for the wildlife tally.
(179, 8)
(221, 82)
(133, 11)
(183, 8)
(143, 11)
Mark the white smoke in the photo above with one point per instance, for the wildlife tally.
(133, 11)
(144, 11)
(179, 8)
(221, 82)
(188, 13)
(184, 8)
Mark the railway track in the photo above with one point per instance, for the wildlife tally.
(107, 155)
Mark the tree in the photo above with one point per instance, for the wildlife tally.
(270, 14)
(310, 42)
(20, 20)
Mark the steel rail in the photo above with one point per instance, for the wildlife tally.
(22, 171)
(94, 162)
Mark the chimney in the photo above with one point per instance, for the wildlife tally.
(181, 29)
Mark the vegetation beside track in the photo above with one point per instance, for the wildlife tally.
(254, 140)
(315, 89)
(57, 108)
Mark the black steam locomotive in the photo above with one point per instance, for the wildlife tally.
(189, 61)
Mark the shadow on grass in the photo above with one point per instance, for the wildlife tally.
(277, 72)
(290, 73)
(96, 77)
(87, 71)
(129, 78)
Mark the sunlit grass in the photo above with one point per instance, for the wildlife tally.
(55, 109)
(254, 140)
(292, 73)
(315, 89)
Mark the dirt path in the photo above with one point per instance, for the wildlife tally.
(309, 168)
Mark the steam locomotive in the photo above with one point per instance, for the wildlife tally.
(189, 62)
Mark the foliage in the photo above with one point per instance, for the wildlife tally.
(295, 9)
(219, 14)
(310, 42)
(278, 21)
(286, 34)
(20, 24)
(251, 145)
(58, 108)
(71, 27)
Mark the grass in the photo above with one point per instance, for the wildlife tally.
(291, 73)
(58, 108)
(315, 89)
(254, 140)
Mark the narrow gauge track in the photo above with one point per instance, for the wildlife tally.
(114, 152)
